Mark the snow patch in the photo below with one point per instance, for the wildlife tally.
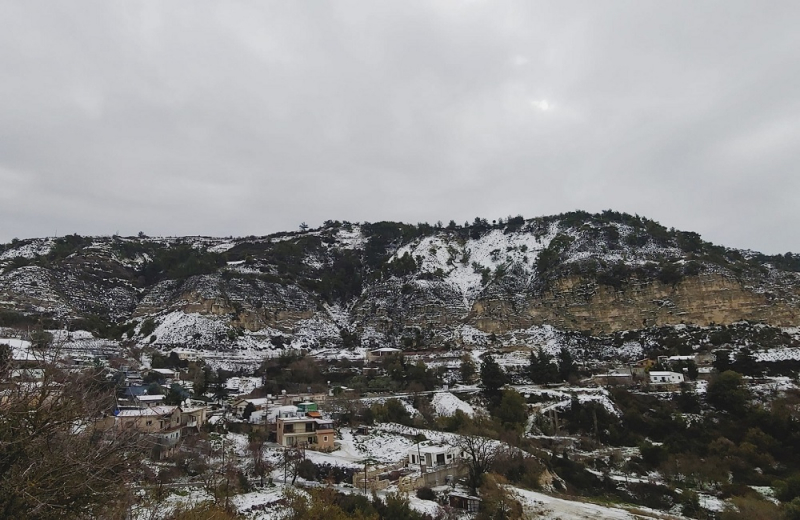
(446, 405)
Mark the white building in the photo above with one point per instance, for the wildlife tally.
(433, 455)
(658, 377)
(242, 385)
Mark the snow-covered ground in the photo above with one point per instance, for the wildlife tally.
(564, 396)
(548, 507)
(459, 260)
(446, 404)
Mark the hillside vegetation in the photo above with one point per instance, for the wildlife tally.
(359, 284)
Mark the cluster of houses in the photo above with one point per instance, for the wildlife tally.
(164, 424)
(641, 372)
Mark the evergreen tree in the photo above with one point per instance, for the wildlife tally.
(467, 370)
(513, 410)
(248, 411)
(566, 365)
(541, 369)
(727, 392)
(492, 377)
(722, 360)
(745, 363)
(691, 370)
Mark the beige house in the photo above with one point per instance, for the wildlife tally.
(150, 419)
(164, 423)
(308, 432)
(194, 417)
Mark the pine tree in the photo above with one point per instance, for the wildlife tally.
(492, 377)
(541, 369)
(566, 365)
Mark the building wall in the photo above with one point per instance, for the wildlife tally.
(303, 431)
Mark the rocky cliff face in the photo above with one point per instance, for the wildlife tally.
(576, 303)
(346, 285)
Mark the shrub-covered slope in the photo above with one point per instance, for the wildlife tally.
(345, 285)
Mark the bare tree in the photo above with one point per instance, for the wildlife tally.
(60, 454)
(346, 406)
(260, 465)
(479, 454)
(290, 460)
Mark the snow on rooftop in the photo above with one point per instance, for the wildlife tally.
(151, 398)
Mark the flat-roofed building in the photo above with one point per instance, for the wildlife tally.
(432, 455)
(308, 432)
(658, 377)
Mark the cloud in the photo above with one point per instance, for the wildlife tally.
(251, 117)
(542, 105)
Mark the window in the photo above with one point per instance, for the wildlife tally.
(324, 438)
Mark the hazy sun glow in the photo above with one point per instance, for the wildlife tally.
(542, 105)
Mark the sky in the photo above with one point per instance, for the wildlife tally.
(250, 117)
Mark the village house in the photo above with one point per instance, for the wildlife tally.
(304, 429)
(131, 377)
(658, 377)
(258, 404)
(186, 355)
(194, 417)
(149, 419)
(163, 423)
(147, 400)
(430, 455)
(242, 385)
(616, 377)
(379, 353)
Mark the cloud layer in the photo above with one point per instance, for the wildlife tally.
(237, 118)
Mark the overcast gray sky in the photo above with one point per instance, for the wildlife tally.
(237, 118)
